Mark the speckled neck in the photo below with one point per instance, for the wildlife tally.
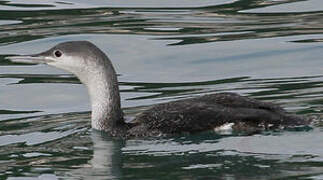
(102, 84)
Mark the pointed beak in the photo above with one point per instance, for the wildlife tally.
(30, 59)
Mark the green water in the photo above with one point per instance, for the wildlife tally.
(162, 50)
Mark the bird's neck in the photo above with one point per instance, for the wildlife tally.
(103, 89)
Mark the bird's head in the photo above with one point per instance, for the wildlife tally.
(81, 58)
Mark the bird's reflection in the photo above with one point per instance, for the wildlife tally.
(106, 160)
(107, 155)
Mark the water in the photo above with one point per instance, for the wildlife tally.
(162, 50)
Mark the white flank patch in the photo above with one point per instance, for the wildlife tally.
(224, 129)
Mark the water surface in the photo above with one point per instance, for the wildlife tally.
(162, 51)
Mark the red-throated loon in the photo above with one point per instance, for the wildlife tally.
(95, 70)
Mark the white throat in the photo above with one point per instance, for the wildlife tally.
(95, 70)
(102, 85)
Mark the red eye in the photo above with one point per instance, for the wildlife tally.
(58, 53)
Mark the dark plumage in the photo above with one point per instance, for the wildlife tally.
(210, 111)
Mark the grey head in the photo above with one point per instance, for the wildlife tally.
(73, 56)
(94, 69)
(81, 58)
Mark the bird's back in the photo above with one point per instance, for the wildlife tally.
(208, 112)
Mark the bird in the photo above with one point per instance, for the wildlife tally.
(186, 116)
